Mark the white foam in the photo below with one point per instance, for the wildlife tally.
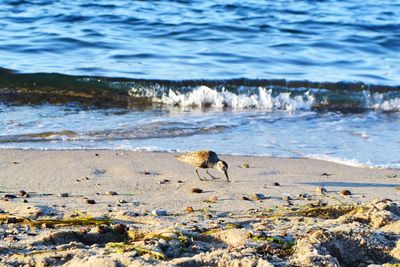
(203, 96)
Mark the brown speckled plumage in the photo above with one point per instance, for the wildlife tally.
(204, 159)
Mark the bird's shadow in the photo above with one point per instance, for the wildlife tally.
(349, 184)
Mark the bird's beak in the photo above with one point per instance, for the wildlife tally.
(226, 174)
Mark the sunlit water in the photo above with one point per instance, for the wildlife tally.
(156, 44)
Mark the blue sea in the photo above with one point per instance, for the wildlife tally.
(316, 79)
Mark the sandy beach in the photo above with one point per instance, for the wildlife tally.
(124, 208)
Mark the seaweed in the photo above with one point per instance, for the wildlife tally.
(124, 247)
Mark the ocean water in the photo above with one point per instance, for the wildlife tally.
(313, 79)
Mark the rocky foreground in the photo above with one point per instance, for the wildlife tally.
(315, 234)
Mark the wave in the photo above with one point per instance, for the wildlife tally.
(272, 94)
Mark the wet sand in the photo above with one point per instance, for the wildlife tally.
(251, 220)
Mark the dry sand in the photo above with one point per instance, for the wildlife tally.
(292, 224)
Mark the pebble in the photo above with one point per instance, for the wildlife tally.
(10, 238)
(213, 198)
(180, 182)
(345, 192)
(159, 212)
(10, 196)
(11, 220)
(208, 216)
(164, 181)
(259, 196)
(63, 195)
(197, 190)
(90, 201)
(245, 166)
(120, 228)
(287, 198)
(321, 190)
(189, 209)
(276, 184)
(21, 193)
(111, 193)
(122, 201)
(25, 201)
(246, 198)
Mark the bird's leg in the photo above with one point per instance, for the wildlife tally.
(212, 176)
(198, 175)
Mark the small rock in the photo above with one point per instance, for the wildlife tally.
(276, 184)
(10, 238)
(47, 226)
(189, 209)
(102, 229)
(25, 201)
(164, 181)
(159, 212)
(326, 174)
(96, 154)
(9, 196)
(21, 193)
(63, 195)
(345, 192)
(246, 198)
(11, 220)
(180, 182)
(208, 216)
(197, 190)
(287, 198)
(90, 201)
(258, 197)
(122, 201)
(111, 193)
(27, 195)
(321, 190)
(245, 166)
(120, 228)
(15, 162)
(213, 198)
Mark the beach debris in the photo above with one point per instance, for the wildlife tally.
(189, 209)
(25, 201)
(125, 247)
(345, 192)
(63, 195)
(180, 182)
(276, 184)
(96, 155)
(321, 190)
(90, 201)
(391, 175)
(99, 172)
(111, 193)
(10, 196)
(326, 174)
(122, 201)
(159, 212)
(246, 198)
(287, 198)
(197, 190)
(15, 162)
(10, 238)
(164, 181)
(213, 198)
(21, 193)
(258, 196)
(245, 166)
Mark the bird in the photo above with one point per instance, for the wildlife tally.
(204, 159)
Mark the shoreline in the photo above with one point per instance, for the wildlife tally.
(341, 161)
(152, 191)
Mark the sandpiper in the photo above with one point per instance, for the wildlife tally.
(205, 159)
